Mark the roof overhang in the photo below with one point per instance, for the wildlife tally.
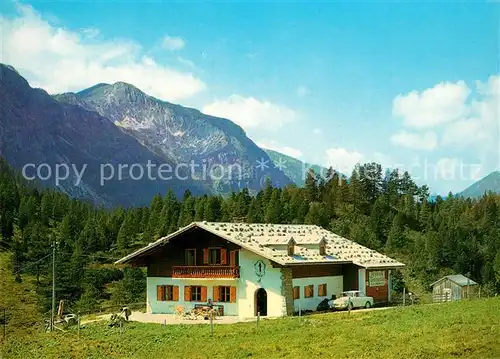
(471, 282)
(313, 262)
(154, 245)
(382, 266)
(166, 239)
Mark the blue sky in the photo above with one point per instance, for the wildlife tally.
(409, 85)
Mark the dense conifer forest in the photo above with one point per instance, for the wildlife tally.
(384, 211)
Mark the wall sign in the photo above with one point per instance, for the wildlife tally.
(376, 278)
(260, 269)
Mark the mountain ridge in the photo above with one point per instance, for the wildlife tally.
(182, 134)
(294, 168)
(36, 128)
(489, 183)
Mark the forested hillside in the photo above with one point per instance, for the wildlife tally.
(386, 212)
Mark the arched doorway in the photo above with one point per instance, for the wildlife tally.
(261, 302)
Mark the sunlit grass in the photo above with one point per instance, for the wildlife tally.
(468, 329)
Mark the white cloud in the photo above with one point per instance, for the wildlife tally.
(251, 113)
(289, 151)
(61, 60)
(91, 32)
(385, 160)
(481, 127)
(427, 141)
(343, 160)
(438, 105)
(447, 168)
(173, 43)
(186, 62)
(302, 91)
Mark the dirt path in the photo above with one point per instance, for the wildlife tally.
(171, 319)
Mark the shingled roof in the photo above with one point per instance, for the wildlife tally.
(263, 239)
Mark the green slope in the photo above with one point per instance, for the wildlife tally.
(490, 183)
(293, 168)
(467, 329)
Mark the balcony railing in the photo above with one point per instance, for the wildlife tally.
(205, 272)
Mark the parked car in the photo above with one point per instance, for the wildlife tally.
(352, 299)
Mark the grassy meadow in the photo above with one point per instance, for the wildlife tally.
(468, 329)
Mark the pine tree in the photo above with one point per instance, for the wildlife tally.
(154, 219)
(199, 208)
(316, 215)
(380, 222)
(213, 209)
(273, 209)
(186, 215)
(126, 233)
(395, 239)
(425, 216)
(311, 186)
(254, 214)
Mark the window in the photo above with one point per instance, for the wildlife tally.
(290, 249)
(215, 256)
(308, 291)
(167, 293)
(224, 294)
(211, 256)
(322, 249)
(296, 292)
(195, 293)
(322, 290)
(190, 257)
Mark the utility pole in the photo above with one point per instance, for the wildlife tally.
(53, 286)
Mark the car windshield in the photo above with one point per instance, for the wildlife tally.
(350, 294)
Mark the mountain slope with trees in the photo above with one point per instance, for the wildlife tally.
(490, 183)
(295, 169)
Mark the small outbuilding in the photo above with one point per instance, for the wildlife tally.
(453, 287)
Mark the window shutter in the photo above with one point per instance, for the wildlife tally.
(296, 292)
(175, 293)
(203, 294)
(308, 291)
(187, 293)
(216, 294)
(223, 256)
(232, 258)
(232, 294)
(205, 255)
(159, 293)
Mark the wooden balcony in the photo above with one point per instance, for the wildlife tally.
(205, 272)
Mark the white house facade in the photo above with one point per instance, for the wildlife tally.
(245, 269)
